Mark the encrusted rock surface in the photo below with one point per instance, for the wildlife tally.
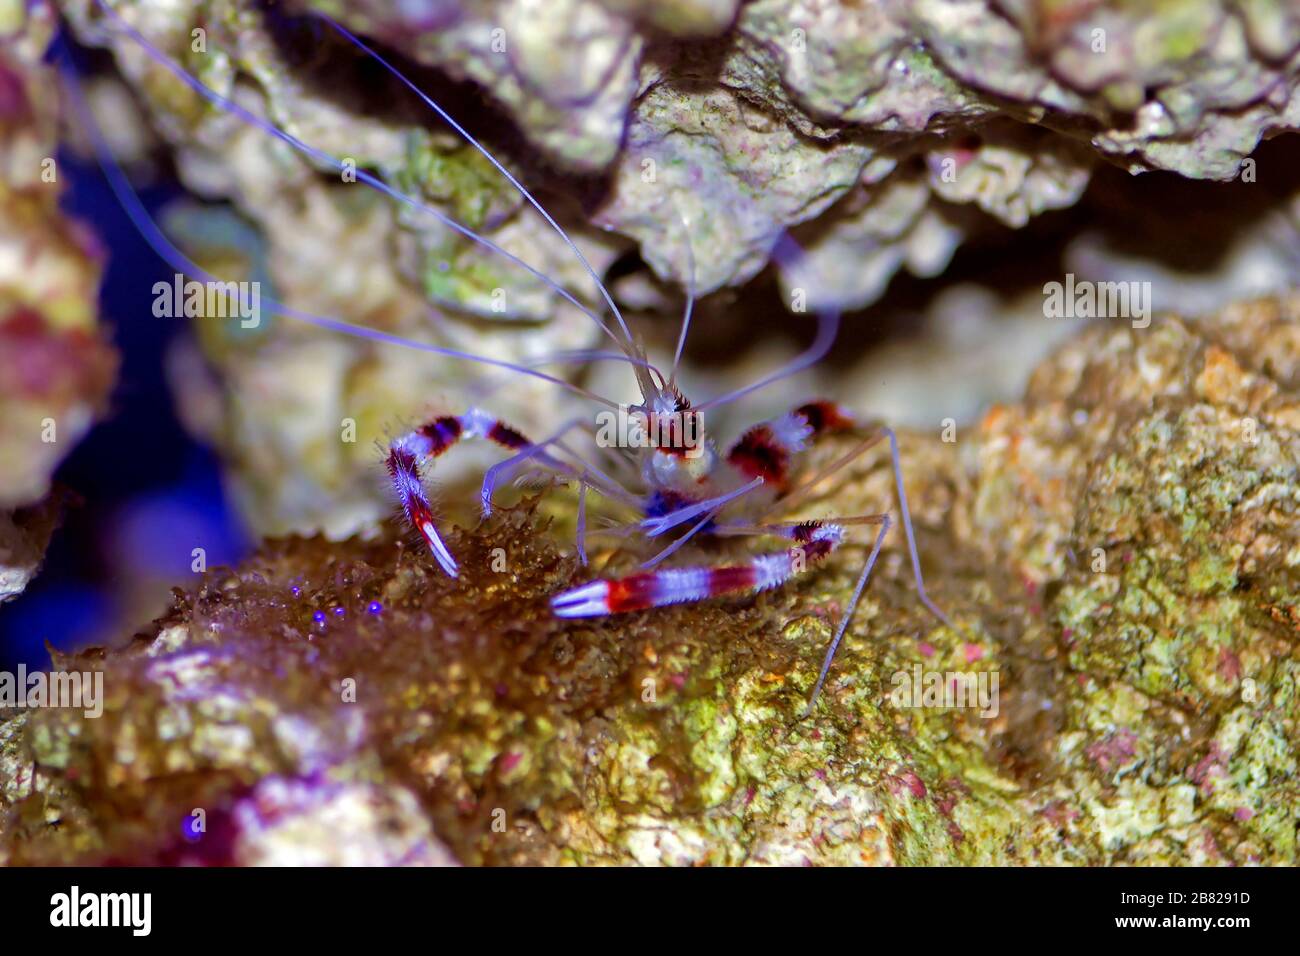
(696, 132)
(56, 369)
(1004, 91)
(1121, 549)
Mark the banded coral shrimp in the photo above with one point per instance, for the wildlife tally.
(681, 487)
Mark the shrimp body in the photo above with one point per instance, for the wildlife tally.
(682, 487)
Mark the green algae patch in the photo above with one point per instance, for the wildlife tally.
(1138, 706)
(458, 178)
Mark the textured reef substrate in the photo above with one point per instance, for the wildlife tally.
(1120, 549)
(690, 134)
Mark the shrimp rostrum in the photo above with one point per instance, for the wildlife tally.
(665, 471)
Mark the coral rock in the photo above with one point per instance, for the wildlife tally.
(1119, 551)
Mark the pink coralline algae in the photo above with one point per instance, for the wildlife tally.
(1114, 752)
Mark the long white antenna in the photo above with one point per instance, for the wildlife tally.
(353, 38)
